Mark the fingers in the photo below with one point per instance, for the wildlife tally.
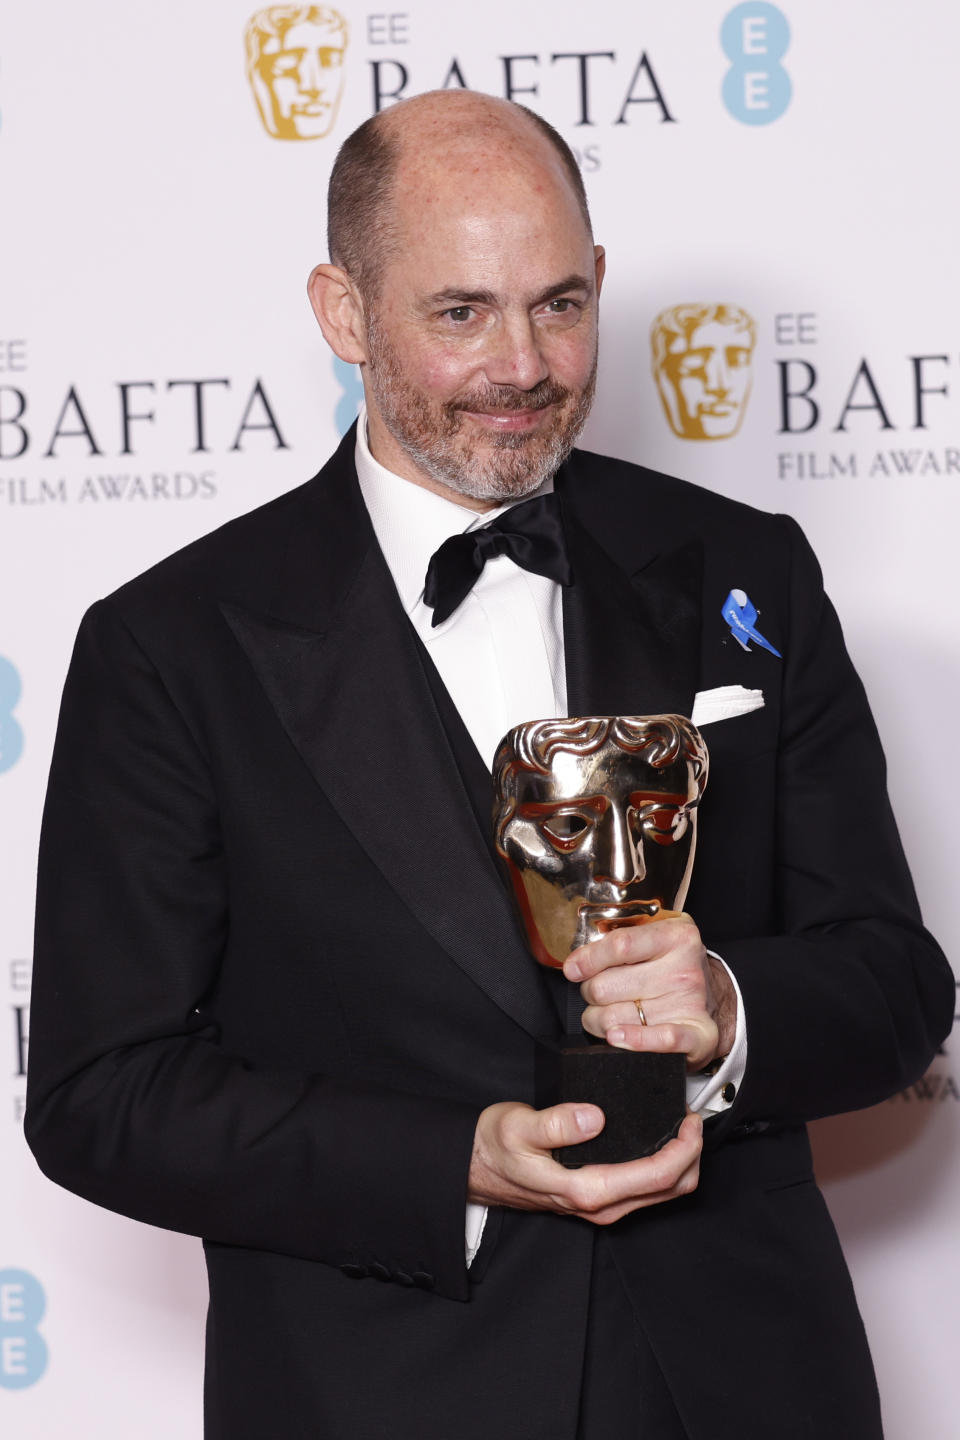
(534, 1132)
(603, 1194)
(657, 984)
(512, 1164)
(665, 967)
(634, 945)
(695, 1037)
(626, 969)
(600, 1019)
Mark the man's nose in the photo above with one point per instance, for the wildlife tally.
(515, 357)
(619, 859)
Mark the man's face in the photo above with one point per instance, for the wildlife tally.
(709, 374)
(303, 76)
(602, 841)
(482, 342)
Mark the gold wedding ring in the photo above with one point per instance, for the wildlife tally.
(643, 1018)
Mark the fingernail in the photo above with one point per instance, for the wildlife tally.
(588, 1119)
(572, 970)
(616, 1036)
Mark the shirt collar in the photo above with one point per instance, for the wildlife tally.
(411, 522)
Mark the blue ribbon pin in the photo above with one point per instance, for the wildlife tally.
(740, 613)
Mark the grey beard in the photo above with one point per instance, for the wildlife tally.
(488, 481)
(429, 435)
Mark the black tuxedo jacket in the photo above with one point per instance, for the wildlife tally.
(277, 975)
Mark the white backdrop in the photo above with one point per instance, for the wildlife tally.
(155, 232)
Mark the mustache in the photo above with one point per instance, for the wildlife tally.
(507, 397)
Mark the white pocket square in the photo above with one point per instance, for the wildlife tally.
(724, 702)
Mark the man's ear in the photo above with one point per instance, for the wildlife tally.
(600, 265)
(339, 311)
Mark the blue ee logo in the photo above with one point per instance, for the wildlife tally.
(755, 37)
(11, 736)
(23, 1350)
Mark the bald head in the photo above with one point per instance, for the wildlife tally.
(410, 146)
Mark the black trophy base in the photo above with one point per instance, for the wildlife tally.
(642, 1095)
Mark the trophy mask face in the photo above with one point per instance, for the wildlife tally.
(601, 839)
(702, 364)
(295, 67)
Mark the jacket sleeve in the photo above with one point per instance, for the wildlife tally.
(848, 1001)
(132, 1101)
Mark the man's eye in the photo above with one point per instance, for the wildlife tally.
(563, 308)
(459, 314)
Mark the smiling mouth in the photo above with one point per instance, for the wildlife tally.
(509, 420)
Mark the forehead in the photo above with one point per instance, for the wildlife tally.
(485, 212)
(608, 771)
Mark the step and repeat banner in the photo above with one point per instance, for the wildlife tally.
(780, 322)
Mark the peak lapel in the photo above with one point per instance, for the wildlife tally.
(631, 635)
(351, 693)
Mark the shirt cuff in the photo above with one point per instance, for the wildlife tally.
(713, 1094)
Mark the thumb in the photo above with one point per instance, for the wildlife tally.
(568, 1124)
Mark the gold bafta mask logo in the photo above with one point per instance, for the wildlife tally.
(295, 57)
(702, 358)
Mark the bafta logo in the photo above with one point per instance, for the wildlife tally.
(295, 57)
(702, 356)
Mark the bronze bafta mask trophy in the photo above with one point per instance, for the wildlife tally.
(595, 820)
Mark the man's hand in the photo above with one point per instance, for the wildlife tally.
(512, 1164)
(688, 1001)
(690, 1007)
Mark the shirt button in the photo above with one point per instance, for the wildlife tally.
(729, 1092)
(380, 1272)
(423, 1280)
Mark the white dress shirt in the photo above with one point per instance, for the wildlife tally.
(500, 656)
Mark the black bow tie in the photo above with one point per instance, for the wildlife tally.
(530, 533)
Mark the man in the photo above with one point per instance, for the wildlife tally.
(281, 998)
